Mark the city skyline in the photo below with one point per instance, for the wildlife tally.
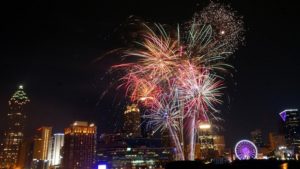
(264, 134)
(62, 78)
(80, 147)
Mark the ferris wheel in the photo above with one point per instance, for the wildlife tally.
(245, 150)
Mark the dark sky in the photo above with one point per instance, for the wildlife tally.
(50, 47)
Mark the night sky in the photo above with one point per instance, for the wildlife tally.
(52, 47)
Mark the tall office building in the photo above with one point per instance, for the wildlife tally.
(256, 137)
(25, 154)
(132, 121)
(55, 147)
(291, 123)
(79, 148)
(41, 147)
(14, 134)
(41, 143)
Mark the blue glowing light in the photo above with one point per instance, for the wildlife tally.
(102, 166)
(283, 115)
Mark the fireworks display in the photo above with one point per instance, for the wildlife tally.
(176, 76)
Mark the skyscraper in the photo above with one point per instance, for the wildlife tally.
(55, 146)
(41, 143)
(40, 148)
(256, 137)
(291, 123)
(25, 154)
(132, 121)
(14, 134)
(79, 148)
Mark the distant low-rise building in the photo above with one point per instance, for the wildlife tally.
(132, 153)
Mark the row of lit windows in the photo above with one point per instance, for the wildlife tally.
(80, 130)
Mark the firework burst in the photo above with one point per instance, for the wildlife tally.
(165, 115)
(159, 55)
(199, 90)
(175, 76)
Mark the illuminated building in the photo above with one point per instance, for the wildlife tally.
(209, 145)
(276, 140)
(284, 153)
(79, 148)
(256, 137)
(26, 154)
(206, 142)
(229, 154)
(41, 147)
(291, 123)
(131, 158)
(14, 134)
(41, 143)
(132, 153)
(55, 146)
(219, 144)
(132, 121)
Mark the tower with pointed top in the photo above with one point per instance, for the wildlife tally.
(14, 134)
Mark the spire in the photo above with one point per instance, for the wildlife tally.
(21, 87)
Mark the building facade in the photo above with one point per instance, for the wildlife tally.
(55, 149)
(276, 140)
(206, 143)
(133, 153)
(41, 143)
(256, 137)
(291, 123)
(14, 134)
(132, 121)
(79, 148)
(219, 144)
(26, 154)
(41, 148)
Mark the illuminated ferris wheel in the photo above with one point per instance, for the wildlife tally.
(245, 150)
